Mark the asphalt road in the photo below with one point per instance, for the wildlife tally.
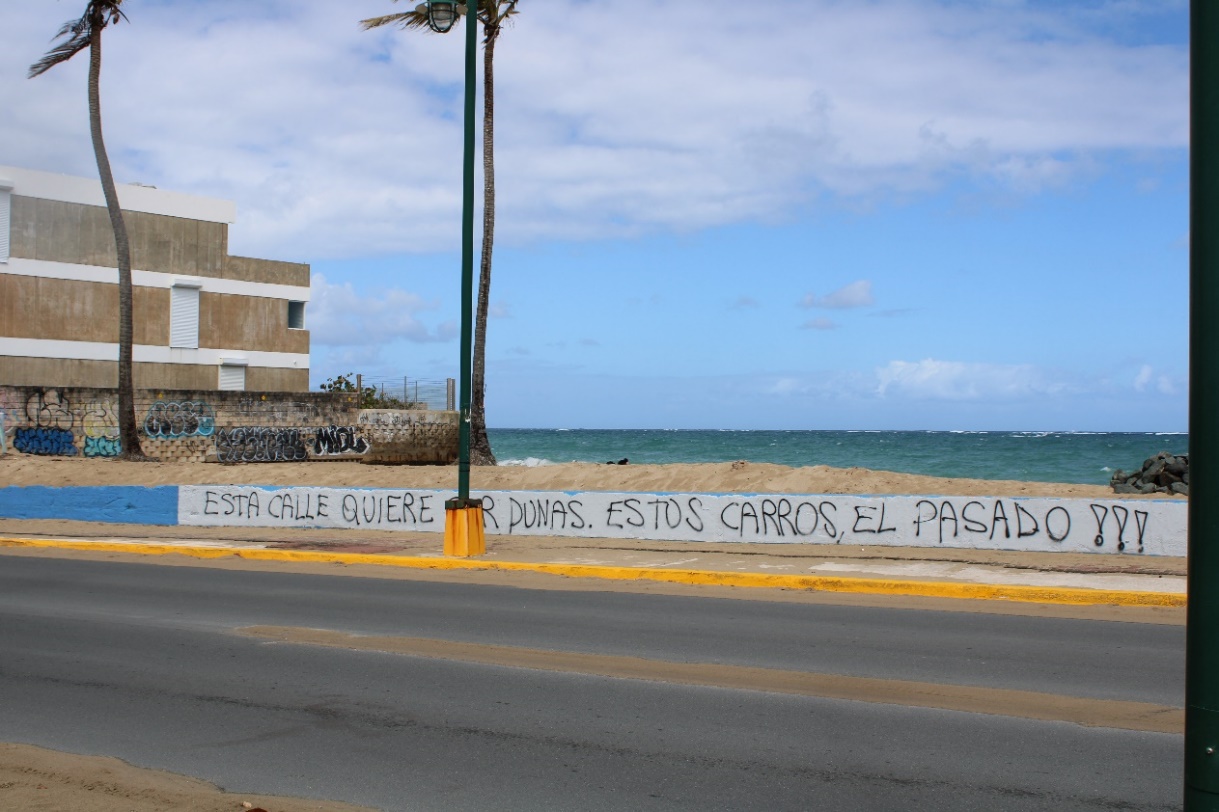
(160, 666)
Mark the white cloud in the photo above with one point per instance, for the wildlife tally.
(956, 380)
(340, 316)
(856, 294)
(1163, 384)
(1143, 378)
(338, 143)
(819, 324)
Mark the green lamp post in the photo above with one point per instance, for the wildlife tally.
(463, 529)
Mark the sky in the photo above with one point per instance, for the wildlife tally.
(825, 214)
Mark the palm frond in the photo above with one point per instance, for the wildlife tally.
(405, 19)
(78, 33)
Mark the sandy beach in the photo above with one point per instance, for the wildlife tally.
(726, 477)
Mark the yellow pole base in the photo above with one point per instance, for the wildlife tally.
(463, 532)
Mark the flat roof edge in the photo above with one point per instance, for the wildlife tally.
(132, 197)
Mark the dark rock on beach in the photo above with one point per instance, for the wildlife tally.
(1163, 473)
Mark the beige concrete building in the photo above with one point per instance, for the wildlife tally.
(203, 320)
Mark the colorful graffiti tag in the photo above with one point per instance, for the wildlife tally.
(45, 442)
(100, 424)
(188, 418)
(50, 431)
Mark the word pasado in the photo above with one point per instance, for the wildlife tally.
(1013, 520)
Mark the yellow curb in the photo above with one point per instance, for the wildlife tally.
(817, 583)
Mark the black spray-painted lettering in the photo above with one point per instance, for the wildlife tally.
(380, 508)
(696, 508)
(867, 520)
(551, 514)
(635, 519)
(224, 503)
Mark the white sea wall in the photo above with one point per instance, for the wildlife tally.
(1148, 527)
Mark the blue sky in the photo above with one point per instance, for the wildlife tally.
(881, 214)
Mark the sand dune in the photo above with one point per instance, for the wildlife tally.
(727, 477)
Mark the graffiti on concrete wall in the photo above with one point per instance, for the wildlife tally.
(103, 446)
(48, 426)
(85, 423)
(338, 440)
(173, 419)
(47, 423)
(260, 444)
(388, 419)
(99, 420)
(278, 409)
(45, 442)
(1152, 527)
(48, 409)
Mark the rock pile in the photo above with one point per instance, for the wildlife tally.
(1163, 473)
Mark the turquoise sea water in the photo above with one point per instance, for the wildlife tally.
(1075, 457)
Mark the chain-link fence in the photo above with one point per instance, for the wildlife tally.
(411, 393)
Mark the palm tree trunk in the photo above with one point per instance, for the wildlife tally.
(128, 433)
(480, 445)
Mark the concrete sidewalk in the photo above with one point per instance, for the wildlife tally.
(1064, 578)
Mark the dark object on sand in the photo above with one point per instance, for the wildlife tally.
(622, 461)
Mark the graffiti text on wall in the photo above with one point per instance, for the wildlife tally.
(101, 430)
(45, 442)
(260, 444)
(338, 440)
(1155, 527)
(188, 418)
(48, 429)
(387, 419)
(48, 424)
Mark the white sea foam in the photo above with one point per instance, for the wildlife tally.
(528, 462)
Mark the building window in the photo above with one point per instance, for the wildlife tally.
(232, 376)
(296, 315)
(6, 202)
(184, 315)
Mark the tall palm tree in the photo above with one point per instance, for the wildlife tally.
(492, 14)
(78, 35)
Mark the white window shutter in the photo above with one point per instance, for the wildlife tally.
(232, 377)
(184, 317)
(6, 201)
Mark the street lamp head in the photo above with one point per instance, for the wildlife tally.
(441, 14)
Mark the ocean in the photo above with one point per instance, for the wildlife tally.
(1037, 456)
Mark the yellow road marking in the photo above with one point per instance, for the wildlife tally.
(1124, 715)
(1076, 596)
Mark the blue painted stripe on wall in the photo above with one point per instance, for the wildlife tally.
(118, 504)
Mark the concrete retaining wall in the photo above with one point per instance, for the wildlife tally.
(219, 426)
(1146, 527)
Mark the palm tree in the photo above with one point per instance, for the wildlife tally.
(492, 14)
(78, 35)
